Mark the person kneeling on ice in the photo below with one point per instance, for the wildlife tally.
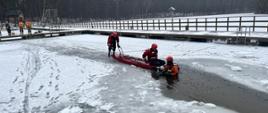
(171, 71)
(151, 56)
(113, 40)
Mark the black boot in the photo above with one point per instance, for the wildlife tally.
(109, 53)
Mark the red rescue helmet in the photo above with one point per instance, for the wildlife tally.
(114, 34)
(154, 46)
(169, 59)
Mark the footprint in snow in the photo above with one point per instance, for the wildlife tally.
(15, 80)
(51, 75)
(12, 99)
(82, 71)
(21, 73)
(58, 70)
(40, 88)
(18, 69)
(57, 87)
(57, 77)
(47, 95)
(21, 90)
(11, 90)
(50, 84)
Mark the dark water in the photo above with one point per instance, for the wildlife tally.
(208, 87)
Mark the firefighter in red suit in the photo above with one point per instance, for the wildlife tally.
(113, 41)
(151, 56)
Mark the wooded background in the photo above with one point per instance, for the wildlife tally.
(119, 9)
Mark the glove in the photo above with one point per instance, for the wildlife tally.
(145, 59)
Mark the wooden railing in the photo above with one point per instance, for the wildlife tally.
(225, 24)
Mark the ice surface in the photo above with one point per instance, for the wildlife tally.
(66, 74)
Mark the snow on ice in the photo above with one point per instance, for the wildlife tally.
(63, 75)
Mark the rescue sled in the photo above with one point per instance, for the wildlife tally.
(138, 62)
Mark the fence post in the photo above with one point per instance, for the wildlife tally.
(141, 24)
(128, 25)
(228, 20)
(120, 24)
(240, 23)
(132, 26)
(123, 24)
(116, 25)
(267, 27)
(172, 26)
(206, 24)
(147, 25)
(254, 23)
(180, 24)
(187, 27)
(216, 27)
(153, 25)
(158, 24)
(137, 22)
(165, 24)
(109, 24)
(196, 27)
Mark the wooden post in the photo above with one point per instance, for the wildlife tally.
(254, 23)
(137, 22)
(165, 24)
(120, 26)
(116, 25)
(267, 27)
(128, 25)
(228, 21)
(153, 25)
(172, 26)
(196, 24)
(141, 24)
(206, 24)
(158, 24)
(123, 25)
(216, 27)
(132, 26)
(188, 27)
(109, 22)
(147, 25)
(240, 23)
(180, 24)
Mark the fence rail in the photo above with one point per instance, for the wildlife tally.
(242, 23)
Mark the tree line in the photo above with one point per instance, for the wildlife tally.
(118, 9)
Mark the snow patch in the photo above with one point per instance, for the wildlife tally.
(71, 109)
(124, 69)
(197, 111)
(234, 68)
(210, 105)
(197, 64)
(264, 83)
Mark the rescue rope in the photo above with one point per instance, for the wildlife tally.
(134, 51)
(194, 51)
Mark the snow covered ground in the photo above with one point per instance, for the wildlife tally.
(72, 74)
(15, 32)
